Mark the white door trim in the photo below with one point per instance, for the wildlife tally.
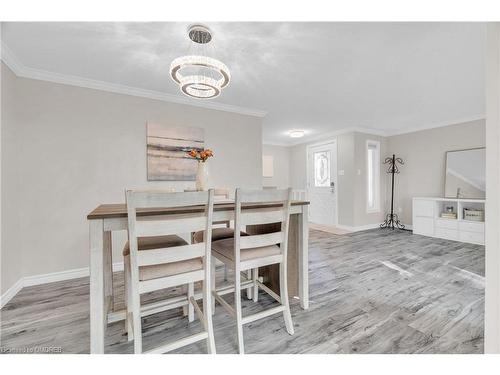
(308, 175)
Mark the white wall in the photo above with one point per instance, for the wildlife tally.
(281, 161)
(492, 291)
(424, 155)
(11, 256)
(77, 148)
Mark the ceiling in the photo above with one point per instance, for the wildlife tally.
(320, 77)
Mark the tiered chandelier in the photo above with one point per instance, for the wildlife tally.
(198, 75)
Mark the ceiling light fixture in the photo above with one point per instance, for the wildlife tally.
(296, 133)
(198, 75)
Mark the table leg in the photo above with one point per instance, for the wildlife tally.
(97, 295)
(304, 257)
(108, 270)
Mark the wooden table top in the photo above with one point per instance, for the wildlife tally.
(118, 210)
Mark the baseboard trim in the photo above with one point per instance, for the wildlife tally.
(358, 228)
(366, 227)
(11, 292)
(48, 278)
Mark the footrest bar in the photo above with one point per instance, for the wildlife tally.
(179, 344)
(263, 314)
(230, 289)
(266, 289)
(224, 304)
(199, 312)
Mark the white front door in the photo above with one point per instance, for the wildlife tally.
(322, 183)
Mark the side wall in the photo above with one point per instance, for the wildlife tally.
(78, 148)
(281, 161)
(424, 155)
(11, 256)
(492, 291)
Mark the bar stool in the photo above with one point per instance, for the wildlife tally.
(149, 267)
(243, 253)
(220, 233)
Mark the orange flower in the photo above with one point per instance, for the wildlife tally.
(202, 155)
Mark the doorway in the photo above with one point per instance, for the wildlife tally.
(322, 183)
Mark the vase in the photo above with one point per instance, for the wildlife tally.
(202, 176)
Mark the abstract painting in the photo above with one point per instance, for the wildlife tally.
(167, 149)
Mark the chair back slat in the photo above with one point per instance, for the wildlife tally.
(271, 215)
(170, 254)
(170, 226)
(261, 240)
(263, 196)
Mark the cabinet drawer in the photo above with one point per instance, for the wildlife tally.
(423, 208)
(423, 225)
(447, 224)
(472, 237)
(449, 234)
(471, 227)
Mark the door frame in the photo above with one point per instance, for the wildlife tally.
(308, 175)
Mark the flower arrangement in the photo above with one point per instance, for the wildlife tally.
(201, 156)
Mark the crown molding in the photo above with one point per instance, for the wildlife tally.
(280, 144)
(333, 134)
(23, 71)
(436, 125)
(377, 132)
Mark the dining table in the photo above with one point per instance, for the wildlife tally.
(107, 218)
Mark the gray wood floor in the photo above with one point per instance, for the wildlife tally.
(371, 292)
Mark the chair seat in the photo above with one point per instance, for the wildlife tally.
(157, 242)
(225, 248)
(217, 234)
(169, 269)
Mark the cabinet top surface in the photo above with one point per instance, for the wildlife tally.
(440, 199)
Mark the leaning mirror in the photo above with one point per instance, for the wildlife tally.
(465, 174)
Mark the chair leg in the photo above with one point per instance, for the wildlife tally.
(284, 299)
(212, 284)
(190, 305)
(255, 277)
(136, 318)
(225, 272)
(128, 300)
(237, 302)
(249, 290)
(207, 315)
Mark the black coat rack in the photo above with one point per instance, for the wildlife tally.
(392, 219)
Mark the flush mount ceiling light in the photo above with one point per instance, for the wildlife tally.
(198, 75)
(296, 133)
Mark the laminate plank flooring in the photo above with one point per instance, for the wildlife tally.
(376, 291)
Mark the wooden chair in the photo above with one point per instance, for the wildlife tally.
(243, 253)
(220, 233)
(149, 268)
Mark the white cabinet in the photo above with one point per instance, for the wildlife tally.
(427, 220)
(423, 225)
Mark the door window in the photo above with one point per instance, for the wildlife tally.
(322, 169)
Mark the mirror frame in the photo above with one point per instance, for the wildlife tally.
(446, 168)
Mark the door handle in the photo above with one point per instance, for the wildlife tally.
(332, 187)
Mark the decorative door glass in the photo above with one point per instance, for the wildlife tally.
(322, 169)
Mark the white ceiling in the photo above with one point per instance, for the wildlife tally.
(320, 77)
